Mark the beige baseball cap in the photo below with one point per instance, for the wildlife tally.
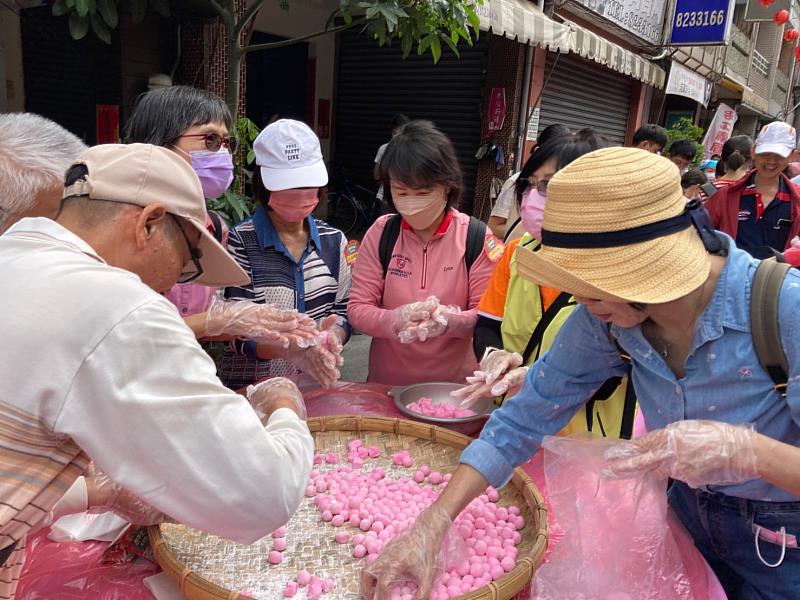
(144, 174)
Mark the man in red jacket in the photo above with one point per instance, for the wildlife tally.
(762, 210)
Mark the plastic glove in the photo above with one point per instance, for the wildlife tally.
(414, 556)
(105, 494)
(265, 395)
(499, 372)
(695, 452)
(329, 337)
(317, 362)
(442, 319)
(260, 322)
(409, 314)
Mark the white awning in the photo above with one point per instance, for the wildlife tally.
(594, 47)
(524, 21)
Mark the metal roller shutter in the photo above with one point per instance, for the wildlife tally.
(373, 84)
(580, 94)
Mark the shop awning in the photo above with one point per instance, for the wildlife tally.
(593, 47)
(523, 20)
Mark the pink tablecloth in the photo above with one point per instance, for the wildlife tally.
(71, 571)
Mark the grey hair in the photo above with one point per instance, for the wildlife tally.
(34, 155)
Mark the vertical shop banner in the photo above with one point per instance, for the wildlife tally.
(497, 109)
(685, 82)
(720, 130)
(701, 22)
(107, 123)
(533, 124)
(324, 119)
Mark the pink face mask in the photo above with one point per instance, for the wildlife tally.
(294, 205)
(532, 211)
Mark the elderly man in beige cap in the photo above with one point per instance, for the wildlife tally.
(653, 277)
(99, 366)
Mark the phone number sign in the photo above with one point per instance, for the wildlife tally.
(701, 22)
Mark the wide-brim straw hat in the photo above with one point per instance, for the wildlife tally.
(619, 195)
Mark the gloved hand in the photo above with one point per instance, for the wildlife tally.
(265, 395)
(443, 319)
(407, 315)
(499, 372)
(329, 337)
(105, 494)
(260, 322)
(414, 556)
(695, 452)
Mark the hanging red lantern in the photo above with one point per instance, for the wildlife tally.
(781, 17)
(797, 53)
(791, 34)
(765, 3)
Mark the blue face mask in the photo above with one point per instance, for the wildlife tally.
(214, 169)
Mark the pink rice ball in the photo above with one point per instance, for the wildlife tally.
(279, 544)
(290, 590)
(275, 557)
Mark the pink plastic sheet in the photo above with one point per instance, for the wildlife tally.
(369, 399)
(73, 571)
(612, 540)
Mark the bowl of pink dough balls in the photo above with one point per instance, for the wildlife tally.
(432, 403)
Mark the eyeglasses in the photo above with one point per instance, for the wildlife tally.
(192, 272)
(541, 186)
(215, 141)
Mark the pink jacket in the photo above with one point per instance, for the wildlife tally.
(416, 272)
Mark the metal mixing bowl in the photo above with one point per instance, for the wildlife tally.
(439, 392)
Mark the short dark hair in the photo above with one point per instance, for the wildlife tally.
(686, 148)
(693, 177)
(421, 156)
(162, 115)
(736, 152)
(564, 149)
(399, 120)
(651, 132)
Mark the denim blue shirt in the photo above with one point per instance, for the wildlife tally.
(724, 380)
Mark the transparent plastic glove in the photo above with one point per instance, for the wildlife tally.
(695, 452)
(261, 322)
(408, 315)
(415, 557)
(264, 396)
(496, 363)
(318, 363)
(329, 337)
(105, 494)
(442, 320)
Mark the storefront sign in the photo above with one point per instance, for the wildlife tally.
(642, 18)
(497, 109)
(756, 11)
(720, 130)
(533, 124)
(685, 82)
(701, 22)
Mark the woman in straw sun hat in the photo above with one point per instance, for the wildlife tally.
(652, 276)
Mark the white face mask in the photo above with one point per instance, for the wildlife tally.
(420, 212)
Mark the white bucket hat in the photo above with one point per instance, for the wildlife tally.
(289, 155)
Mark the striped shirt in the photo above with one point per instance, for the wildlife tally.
(318, 285)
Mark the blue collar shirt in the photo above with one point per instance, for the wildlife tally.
(723, 381)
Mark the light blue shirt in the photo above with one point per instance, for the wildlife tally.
(724, 380)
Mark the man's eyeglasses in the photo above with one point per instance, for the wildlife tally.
(215, 141)
(189, 273)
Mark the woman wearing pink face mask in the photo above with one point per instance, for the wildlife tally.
(294, 261)
(507, 334)
(421, 308)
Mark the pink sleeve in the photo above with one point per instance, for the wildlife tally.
(366, 294)
(479, 276)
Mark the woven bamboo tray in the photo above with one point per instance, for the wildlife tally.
(208, 569)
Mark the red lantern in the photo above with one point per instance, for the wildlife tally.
(797, 53)
(765, 3)
(781, 17)
(791, 34)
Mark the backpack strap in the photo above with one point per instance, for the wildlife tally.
(538, 334)
(608, 388)
(510, 229)
(476, 236)
(767, 285)
(389, 235)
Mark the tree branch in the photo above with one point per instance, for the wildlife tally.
(251, 12)
(271, 45)
(220, 10)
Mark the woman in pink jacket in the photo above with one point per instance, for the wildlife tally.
(417, 280)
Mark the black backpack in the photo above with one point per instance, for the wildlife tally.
(476, 234)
